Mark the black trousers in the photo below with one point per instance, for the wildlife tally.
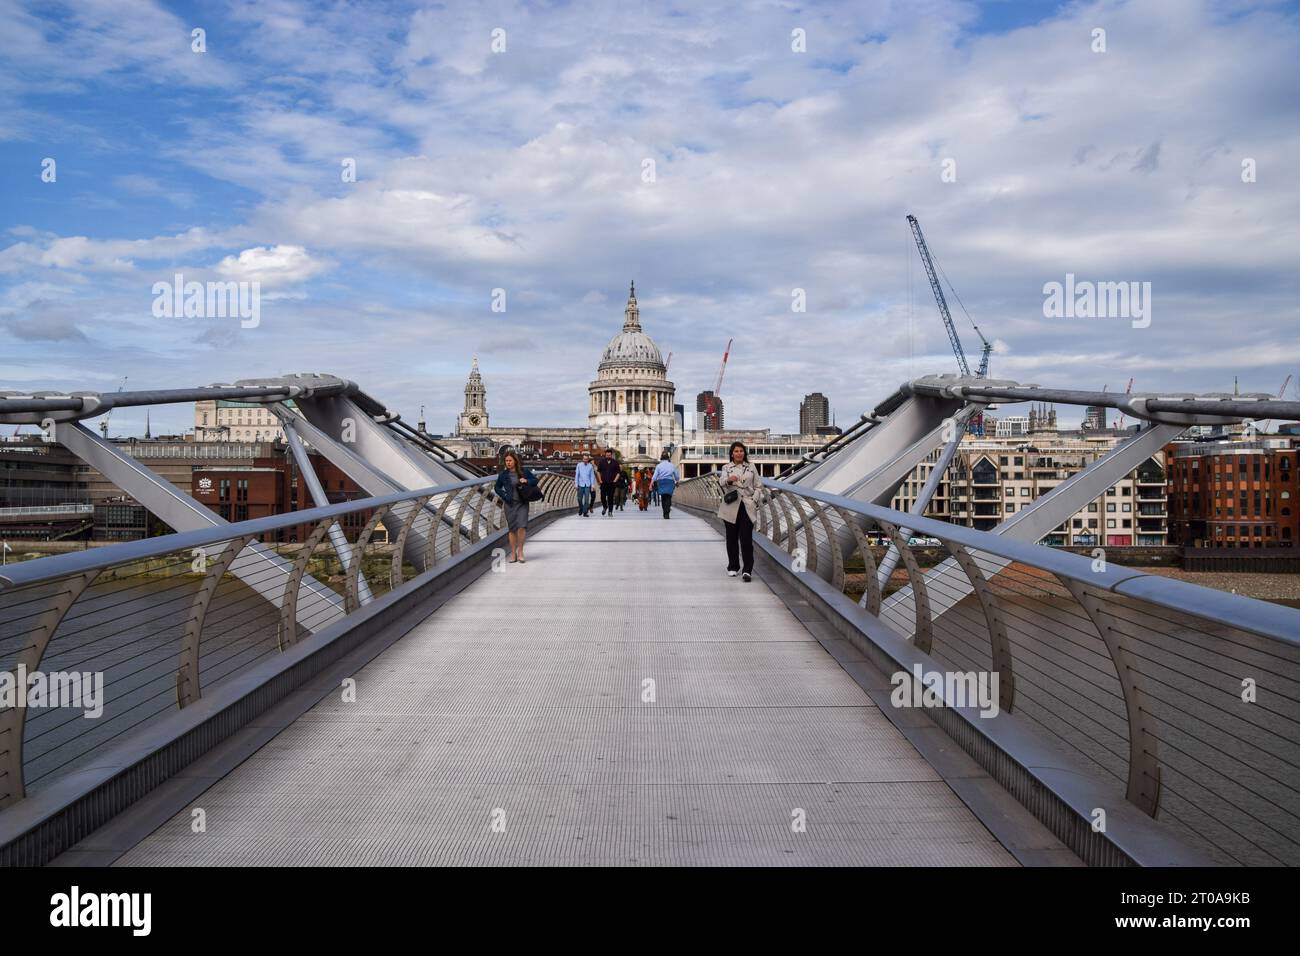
(667, 502)
(740, 538)
(607, 495)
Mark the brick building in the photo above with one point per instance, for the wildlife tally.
(273, 486)
(1233, 494)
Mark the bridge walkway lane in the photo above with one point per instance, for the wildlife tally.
(615, 700)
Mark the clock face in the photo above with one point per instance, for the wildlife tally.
(473, 419)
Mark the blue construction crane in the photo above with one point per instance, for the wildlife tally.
(928, 262)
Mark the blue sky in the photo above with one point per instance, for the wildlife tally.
(775, 170)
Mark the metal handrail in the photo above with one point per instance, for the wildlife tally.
(1134, 673)
(1233, 610)
(92, 602)
(54, 567)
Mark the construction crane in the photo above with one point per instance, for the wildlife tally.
(711, 413)
(928, 261)
(103, 425)
(1269, 424)
(1119, 423)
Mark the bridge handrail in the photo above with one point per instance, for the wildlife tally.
(159, 620)
(1274, 621)
(55, 567)
(1187, 696)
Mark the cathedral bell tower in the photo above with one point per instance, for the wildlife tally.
(474, 419)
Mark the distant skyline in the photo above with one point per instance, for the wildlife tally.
(506, 146)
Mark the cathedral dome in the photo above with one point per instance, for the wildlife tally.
(632, 347)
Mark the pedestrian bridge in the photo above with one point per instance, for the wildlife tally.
(270, 692)
(616, 699)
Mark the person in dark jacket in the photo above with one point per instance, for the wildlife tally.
(620, 490)
(509, 480)
(607, 471)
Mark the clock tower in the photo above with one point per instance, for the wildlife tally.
(474, 419)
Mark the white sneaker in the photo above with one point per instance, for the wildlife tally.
(732, 574)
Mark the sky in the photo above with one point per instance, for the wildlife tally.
(733, 158)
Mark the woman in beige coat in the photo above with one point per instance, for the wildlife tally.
(738, 516)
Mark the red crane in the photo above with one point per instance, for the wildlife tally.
(711, 413)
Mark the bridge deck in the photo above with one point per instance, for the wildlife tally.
(520, 701)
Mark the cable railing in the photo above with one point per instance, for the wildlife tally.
(1181, 699)
(107, 641)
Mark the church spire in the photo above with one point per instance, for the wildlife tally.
(632, 315)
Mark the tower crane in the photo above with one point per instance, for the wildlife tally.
(1269, 424)
(928, 261)
(1128, 391)
(103, 424)
(712, 411)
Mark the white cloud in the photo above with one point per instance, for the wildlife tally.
(773, 171)
(272, 267)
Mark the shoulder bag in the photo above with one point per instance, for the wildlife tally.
(529, 492)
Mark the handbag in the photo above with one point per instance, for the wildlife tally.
(529, 492)
(729, 497)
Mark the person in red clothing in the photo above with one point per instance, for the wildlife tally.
(643, 488)
(607, 471)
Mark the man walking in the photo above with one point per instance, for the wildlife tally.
(607, 471)
(585, 479)
(665, 481)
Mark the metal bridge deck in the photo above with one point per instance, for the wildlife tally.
(520, 703)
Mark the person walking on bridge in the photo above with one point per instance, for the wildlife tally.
(664, 481)
(741, 487)
(513, 487)
(642, 489)
(585, 479)
(620, 489)
(608, 472)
